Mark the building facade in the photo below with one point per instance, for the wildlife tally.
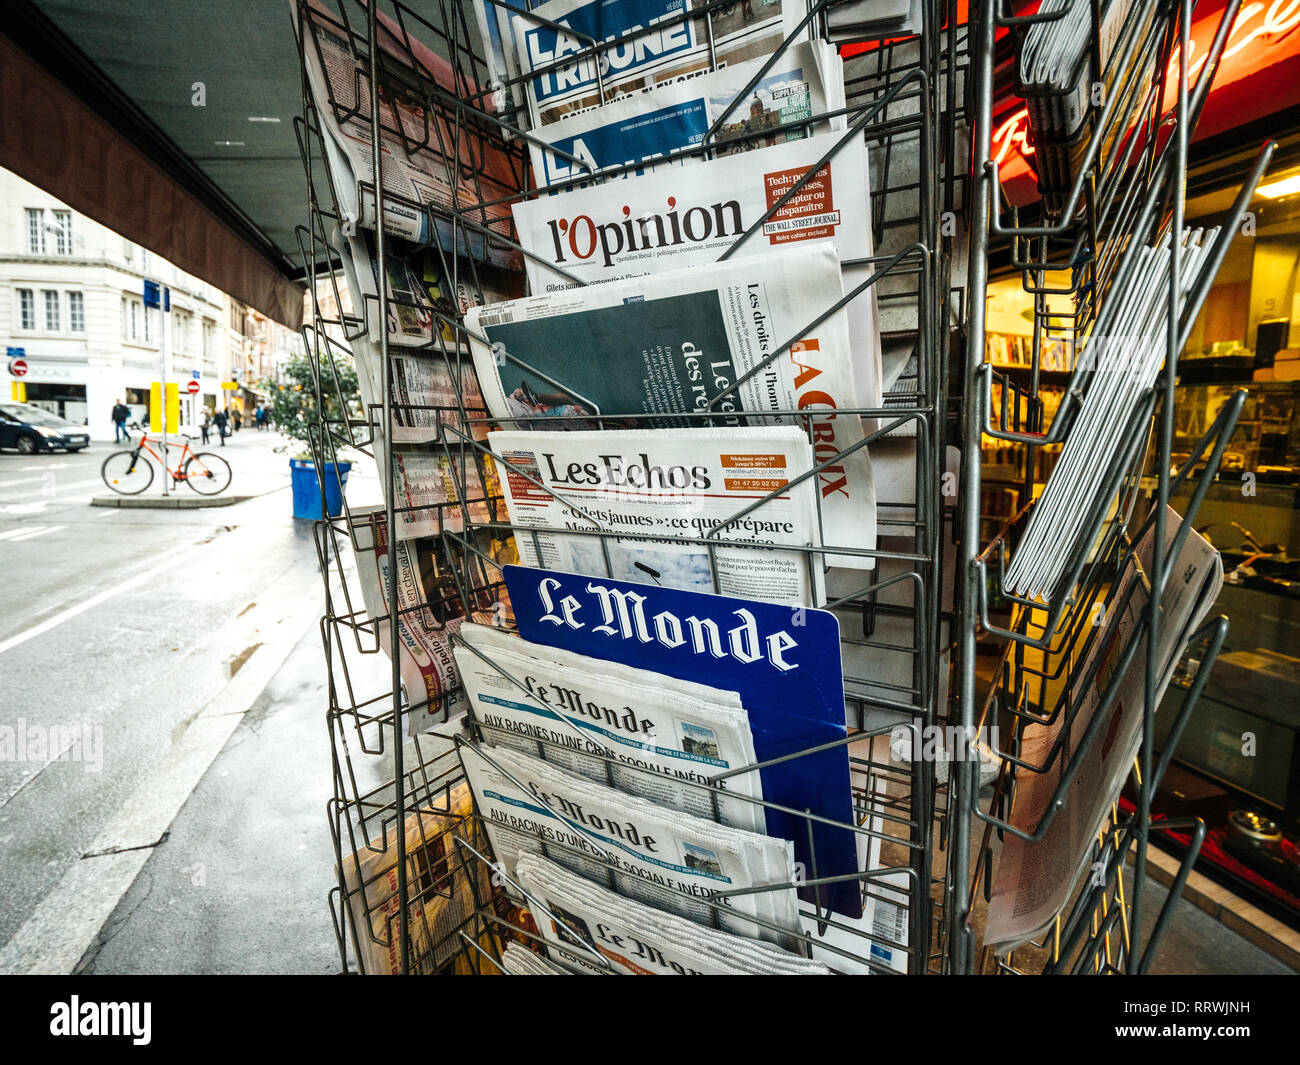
(72, 304)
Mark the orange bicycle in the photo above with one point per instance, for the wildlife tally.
(129, 473)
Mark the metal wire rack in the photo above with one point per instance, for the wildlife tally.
(417, 891)
(1123, 189)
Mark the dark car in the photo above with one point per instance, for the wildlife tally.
(31, 429)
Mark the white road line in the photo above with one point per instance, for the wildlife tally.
(18, 532)
(40, 530)
(63, 925)
(95, 600)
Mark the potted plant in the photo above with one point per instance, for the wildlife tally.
(314, 410)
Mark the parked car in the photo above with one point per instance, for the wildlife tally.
(31, 429)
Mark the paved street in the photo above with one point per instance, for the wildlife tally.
(136, 650)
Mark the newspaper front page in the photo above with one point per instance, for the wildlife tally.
(649, 44)
(665, 487)
(1035, 880)
(661, 857)
(704, 339)
(661, 742)
(415, 172)
(805, 81)
(592, 930)
(671, 218)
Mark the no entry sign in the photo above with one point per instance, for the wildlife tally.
(192, 387)
(18, 367)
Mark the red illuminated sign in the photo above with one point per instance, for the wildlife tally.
(1262, 37)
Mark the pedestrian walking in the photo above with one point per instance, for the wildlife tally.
(205, 423)
(261, 419)
(239, 420)
(121, 412)
(222, 419)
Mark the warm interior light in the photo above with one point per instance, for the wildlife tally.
(1275, 190)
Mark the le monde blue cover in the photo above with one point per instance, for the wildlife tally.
(784, 663)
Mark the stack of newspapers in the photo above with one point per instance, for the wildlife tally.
(678, 380)
(1122, 356)
(621, 812)
(1055, 75)
(616, 796)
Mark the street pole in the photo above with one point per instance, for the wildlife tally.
(164, 307)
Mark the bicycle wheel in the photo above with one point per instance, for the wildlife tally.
(206, 473)
(127, 472)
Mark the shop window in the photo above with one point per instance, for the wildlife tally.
(27, 308)
(76, 312)
(36, 230)
(51, 298)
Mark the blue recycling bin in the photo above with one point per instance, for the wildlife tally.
(306, 488)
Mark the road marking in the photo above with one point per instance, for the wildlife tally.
(20, 531)
(95, 600)
(40, 530)
(65, 924)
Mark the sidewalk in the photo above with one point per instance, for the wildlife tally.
(259, 465)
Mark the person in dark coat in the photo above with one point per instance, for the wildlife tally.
(222, 419)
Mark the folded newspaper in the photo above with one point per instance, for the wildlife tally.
(518, 960)
(441, 890)
(647, 491)
(426, 620)
(416, 170)
(1035, 880)
(645, 733)
(668, 218)
(803, 84)
(593, 930)
(705, 340)
(666, 859)
(575, 48)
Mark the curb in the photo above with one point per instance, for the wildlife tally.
(168, 502)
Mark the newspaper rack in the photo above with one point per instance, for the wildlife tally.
(1127, 190)
(384, 786)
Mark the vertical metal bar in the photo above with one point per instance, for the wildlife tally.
(962, 779)
(1160, 565)
(386, 463)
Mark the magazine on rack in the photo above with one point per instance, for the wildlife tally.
(666, 859)
(1035, 880)
(669, 218)
(664, 487)
(700, 339)
(806, 81)
(440, 893)
(647, 43)
(430, 608)
(428, 391)
(662, 737)
(593, 930)
(427, 621)
(417, 174)
(435, 490)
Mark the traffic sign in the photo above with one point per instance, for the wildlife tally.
(18, 367)
(192, 387)
(15, 353)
